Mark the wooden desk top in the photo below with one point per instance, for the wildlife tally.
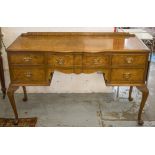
(77, 42)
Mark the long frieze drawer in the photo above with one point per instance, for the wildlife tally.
(127, 75)
(29, 58)
(95, 60)
(28, 75)
(129, 59)
(61, 60)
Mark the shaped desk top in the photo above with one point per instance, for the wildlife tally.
(77, 42)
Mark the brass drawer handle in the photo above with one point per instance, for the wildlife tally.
(97, 61)
(27, 59)
(127, 76)
(129, 60)
(28, 74)
(60, 61)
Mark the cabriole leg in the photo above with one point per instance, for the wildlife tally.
(10, 94)
(25, 94)
(145, 93)
(130, 93)
(2, 80)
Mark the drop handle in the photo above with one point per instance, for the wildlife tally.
(127, 76)
(60, 61)
(27, 59)
(129, 60)
(28, 74)
(96, 61)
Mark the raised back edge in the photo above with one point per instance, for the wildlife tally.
(117, 34)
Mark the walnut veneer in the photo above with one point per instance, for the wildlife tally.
(121, 57)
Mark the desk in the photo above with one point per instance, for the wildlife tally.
(121, 57)
(2, 79)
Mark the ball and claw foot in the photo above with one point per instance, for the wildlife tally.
(130, 99)
(4, 93)
(4, 96)
(16, 121)
(25, 99)
(140, 122)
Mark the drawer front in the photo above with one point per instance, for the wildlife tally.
(127, 75)
(129, 59)
(33, 59)
(95, 61)
(28, 75)
(61, 60)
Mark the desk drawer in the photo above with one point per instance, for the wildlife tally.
(27, 58)
(95, 60)
(127, 75)
(61, 60)
(28, 75)
(129, 59)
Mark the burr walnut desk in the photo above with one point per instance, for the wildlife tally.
(121, 57)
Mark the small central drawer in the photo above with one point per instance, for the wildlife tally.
(127, 75)
(93, 60)
(129, 59)
(26, 58)
(64, 60)
(28, 75)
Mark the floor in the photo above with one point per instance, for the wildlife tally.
(85, 110)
